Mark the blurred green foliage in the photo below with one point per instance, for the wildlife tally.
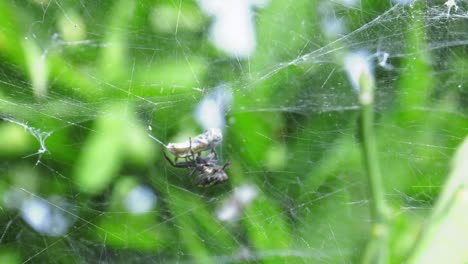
(96, 74)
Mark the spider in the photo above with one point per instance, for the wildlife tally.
(209, 173)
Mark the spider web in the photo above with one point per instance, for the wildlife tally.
(83, 83)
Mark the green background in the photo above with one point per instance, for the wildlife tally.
(87, 78)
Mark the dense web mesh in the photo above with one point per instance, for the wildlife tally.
(83, 83)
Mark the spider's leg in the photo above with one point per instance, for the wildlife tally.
(190, 147)
(179, 164)
(226, 165)
(195, 157)
(199, 159)
(192, 172)
(169, 160)
(213, 151)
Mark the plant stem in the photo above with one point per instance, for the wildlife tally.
(377, 249)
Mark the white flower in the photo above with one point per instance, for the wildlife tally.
(357, 64)
(140, 200)
(240, 199)
(210, 112)
(233, 29)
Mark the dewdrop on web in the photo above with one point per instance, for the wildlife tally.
(235, 205)
(233, 27)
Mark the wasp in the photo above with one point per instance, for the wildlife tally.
(209, 172)
(205, 141)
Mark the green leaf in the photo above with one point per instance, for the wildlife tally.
(101, 157)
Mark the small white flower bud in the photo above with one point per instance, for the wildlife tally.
(357, 64)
